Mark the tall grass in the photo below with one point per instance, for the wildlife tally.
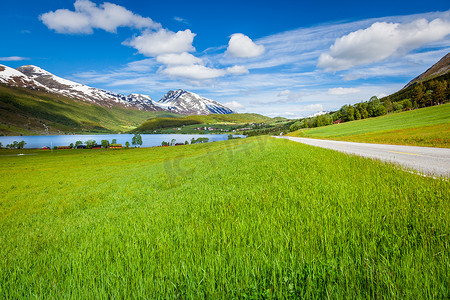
(253, 218)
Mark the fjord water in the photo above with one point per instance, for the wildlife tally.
(148, 140)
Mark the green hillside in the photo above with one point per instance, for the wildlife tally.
(160, 123)
(24, 111)
(224, 122)
(29, 112)
(424, 93)
(428, 126)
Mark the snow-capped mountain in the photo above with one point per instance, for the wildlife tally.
(13, 77)
(179, 101)
(188, 103)
(80, 91)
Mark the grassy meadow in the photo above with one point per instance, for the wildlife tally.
(253, 218)
(428, 126)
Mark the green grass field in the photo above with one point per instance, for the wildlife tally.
(253, 218)
(421, 127)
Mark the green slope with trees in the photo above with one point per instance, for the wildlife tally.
(429, 126)
(424, 94)
(219, 122)
(29, 112)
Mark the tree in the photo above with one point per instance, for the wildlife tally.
(350, 113)
(439, 92)
(362, 109)
(309, 123)
(388, 105)
(1, 145)
(296, 126)
(90, 143)
(127, 144)
(21, 145)
(427, 99)
(186, 142)
(418, 91)
(105, 143)
(172, 142)
(380, 110)
(397, 106)
(375, 108)
(77, 143)
(114, 141)
(136, 140)
(407, 105)
(71, 145)
(321, 120)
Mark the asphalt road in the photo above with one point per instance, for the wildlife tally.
(426, 160)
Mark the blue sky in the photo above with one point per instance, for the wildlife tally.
(277, 58)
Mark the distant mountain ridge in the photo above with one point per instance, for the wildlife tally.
(440, 68)
(180, 101)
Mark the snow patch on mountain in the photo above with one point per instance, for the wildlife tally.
(184, 102)
(14, 77)
(80, 91)
(179, 101)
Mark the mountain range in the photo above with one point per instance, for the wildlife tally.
(179, 102)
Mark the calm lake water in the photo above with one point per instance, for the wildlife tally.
(148, 140)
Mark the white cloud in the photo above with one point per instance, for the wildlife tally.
(342, 91)
(143, 65)
(234, 105)
(179, 59)
(162, 42)
(237, 70)
(200, 72)
(66, 21)
(284, 93)
(88, 16)
(242, 46)
(181, 20)
(194, 72)
(13, 58)
(380, 41)
(311, 107)
(287, 78)
(289, 96)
